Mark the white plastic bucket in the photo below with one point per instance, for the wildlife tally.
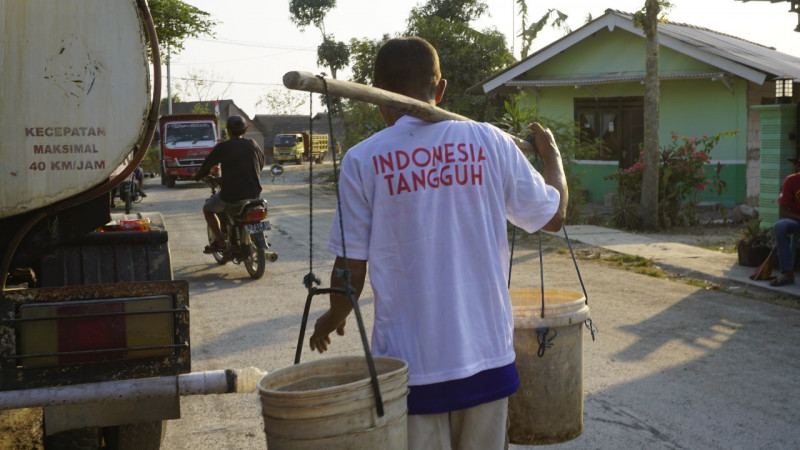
(329, 403)
(548, 407)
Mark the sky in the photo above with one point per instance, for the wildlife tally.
(255, 42)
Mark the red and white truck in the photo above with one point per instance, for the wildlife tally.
(186, 140)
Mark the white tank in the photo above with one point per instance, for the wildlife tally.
(74, 96)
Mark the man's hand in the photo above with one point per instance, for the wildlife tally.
(543, 138)
(324, 326)
(547, 149)
(335, 317)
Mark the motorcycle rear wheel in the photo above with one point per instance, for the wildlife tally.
(218, 256)
(255, 260)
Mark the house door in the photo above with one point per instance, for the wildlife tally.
(632, 131)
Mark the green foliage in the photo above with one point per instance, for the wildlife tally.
(626, 213)
(201, 108)
(681, 177)
(151, 163)
(515, 121)
(463, 11)
(360, 121)
(330, 53)
(446, 25)
(635, 264)
(333, 55)
(175, 21)
(175, 99)
(310, 12)
(755, 236)
(718, 186)
(362, 57)
(556, 18)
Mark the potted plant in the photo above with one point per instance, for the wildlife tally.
(754, 243)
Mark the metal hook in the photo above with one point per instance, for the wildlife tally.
(591, 326)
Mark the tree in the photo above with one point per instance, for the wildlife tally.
(360, 120)
(446, 25)
(199, 84)
(362, 56)
(530, 33)
(282, 102)
(176, 21)
(310, 12)
(463, 11)
(648, 19)
(331, 54)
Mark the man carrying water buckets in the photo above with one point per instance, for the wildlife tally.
(426, 204)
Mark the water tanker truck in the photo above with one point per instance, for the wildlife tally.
(94, 331)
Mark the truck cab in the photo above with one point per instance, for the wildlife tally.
(186, 140)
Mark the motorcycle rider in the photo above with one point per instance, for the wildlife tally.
(241, 161)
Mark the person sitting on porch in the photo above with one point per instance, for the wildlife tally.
(787, 225)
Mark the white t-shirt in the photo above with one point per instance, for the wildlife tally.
(426, 205)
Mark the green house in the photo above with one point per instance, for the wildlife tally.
(709, 83)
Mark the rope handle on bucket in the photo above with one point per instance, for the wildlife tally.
(538, 162)
(309, 280)
(544, 342)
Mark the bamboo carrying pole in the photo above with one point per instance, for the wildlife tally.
(306, 81)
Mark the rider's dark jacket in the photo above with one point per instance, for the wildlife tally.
(241, 161)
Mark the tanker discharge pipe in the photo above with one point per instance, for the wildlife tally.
(196, 383)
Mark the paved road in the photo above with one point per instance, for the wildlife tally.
(673, 366)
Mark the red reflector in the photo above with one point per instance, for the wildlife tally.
(255, 215)
(95, 330)
(91, 333)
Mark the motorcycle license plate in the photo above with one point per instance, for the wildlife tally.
(257, 227)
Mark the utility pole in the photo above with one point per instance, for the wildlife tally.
(169, 83)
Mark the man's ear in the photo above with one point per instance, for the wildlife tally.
(440, 87)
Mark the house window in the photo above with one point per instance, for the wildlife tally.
(617, 123)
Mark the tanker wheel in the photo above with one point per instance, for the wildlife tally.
(171, 181)
(135, 436)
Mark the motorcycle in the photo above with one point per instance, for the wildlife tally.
(128, 191)
(243, 225)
